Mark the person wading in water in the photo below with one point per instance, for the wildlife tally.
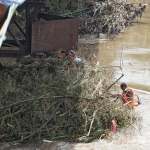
(128, 96)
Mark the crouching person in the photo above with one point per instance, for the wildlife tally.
(128, 95)
(70, 54)
(72, 58)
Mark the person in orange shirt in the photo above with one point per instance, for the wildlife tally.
(128, 95)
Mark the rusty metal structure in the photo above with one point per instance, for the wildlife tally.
(52, 33)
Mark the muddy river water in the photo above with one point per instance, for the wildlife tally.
(131, 51)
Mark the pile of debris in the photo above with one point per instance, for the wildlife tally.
(106, 18)
(41, 98)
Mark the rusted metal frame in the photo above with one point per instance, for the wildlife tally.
(31, 17)
(16, 23)
(48, 17)
(23, 49)
(12, 43)
(14, 37)
(6, 44)
(10, 53)
(19, 9)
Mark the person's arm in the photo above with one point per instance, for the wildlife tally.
(129, 94)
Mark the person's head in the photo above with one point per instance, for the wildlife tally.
(123, 86)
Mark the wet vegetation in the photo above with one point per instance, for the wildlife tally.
(43, 98)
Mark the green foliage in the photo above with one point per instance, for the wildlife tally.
(17, 14)
(59, 7)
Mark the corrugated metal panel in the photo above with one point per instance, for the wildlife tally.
(55, 34)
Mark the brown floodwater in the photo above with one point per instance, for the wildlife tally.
(131, 51)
